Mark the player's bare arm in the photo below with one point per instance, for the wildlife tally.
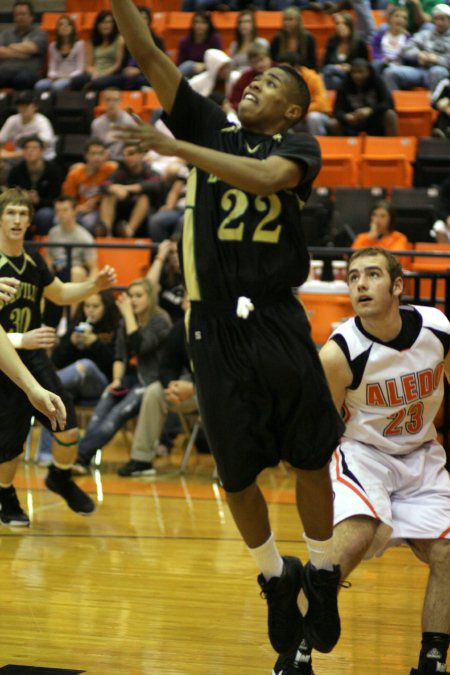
(260, 177)
(68, 293)
(337, 371)
(447, 367)
(45, 401)
(155, 64)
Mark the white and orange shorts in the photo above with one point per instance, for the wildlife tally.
(408, 494)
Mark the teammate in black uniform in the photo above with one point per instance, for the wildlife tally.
(262, 392)
(21, 318)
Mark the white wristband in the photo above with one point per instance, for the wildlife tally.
(16, 339)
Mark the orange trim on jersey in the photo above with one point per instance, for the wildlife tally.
(444, 534)
(347, 483)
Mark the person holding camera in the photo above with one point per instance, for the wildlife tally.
(141, 335)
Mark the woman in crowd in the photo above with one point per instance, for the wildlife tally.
(191, 49)
(104, 55)
(66, 57)
(165, 275)
(141, 335)
(85, 354)
(341, 49)
(389, 39)
(245, 36)
(382, 232)
(294, 38)
(363, 104)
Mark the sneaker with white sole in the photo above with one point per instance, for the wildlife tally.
(11, 513)
(296, 662)
(136, 468)
(285, 621)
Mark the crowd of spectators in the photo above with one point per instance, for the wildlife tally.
(117, 190)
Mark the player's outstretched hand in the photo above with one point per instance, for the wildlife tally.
(50, 405)
(106, 278)
(8, 288)
(39, 338)
(148, 137)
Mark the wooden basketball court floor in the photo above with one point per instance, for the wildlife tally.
(157, 581)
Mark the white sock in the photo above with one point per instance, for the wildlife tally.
(61, 466)
(5, 486)
(320, 553)
(268, 559)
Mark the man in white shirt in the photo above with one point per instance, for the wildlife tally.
(103, 126)
(26, 122)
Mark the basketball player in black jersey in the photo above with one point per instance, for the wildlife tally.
(262, 392)
(20, 316)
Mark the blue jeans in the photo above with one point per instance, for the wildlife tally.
(165, 223)
(407, 77)
(109, 416)
(84, 380)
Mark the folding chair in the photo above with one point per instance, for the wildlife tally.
(351, 212)
(416, 210)
(191, 425)
(340, 161)
(414, 112)
(129, 263)
(432, 161)
(387, 161)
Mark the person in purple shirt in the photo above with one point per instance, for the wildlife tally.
(191, 49)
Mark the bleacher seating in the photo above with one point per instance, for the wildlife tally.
(416, 211)
(387, 161)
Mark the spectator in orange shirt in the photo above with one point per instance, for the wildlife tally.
(83, 182)
(382, 233)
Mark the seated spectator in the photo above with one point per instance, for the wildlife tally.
(441, 228)
(214, 78)
(142, 333)
(191, 49)
(131, 76)
(41, 178)
(165, 274)
(341, 49)
(173, 391)
(66, 57)
(382, 232)
(83, 263)
(84, 180)
(317, 120)
(294, 38)
(363, 104)
(440, 100)
(67, 231)
(103, 126)
(168, 219)
(389, 40)
(419, 13)
(245, 36)
(425, 57)
(22, 49)
(27, 122)
(365, 25)
(104, 55)
(129, 193)
(260, 60)
(84, 355)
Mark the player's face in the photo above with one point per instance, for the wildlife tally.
(139, 300)
(14, 222)
(371, 291)
(266, 104)
(93, 308)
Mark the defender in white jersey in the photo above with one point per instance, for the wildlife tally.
(385, 370)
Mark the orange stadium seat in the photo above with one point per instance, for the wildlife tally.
(268, 23)
(431, 264)
(165, 5)
(85, 5)
(129, 263)
(225, 22)
(414, 111)
(387, 161)
(177, 27)
(340, 161)
(130, 99)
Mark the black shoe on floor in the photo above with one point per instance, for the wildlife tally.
(60, 481)
(281, 593)
(322, 625)
(296, 662)
(11, 513)
(136, 468)
(439, 668)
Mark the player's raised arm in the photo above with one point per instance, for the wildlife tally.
(155, 64)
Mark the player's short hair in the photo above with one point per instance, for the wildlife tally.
(16, 196)
(394, 268)
(300, 91)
